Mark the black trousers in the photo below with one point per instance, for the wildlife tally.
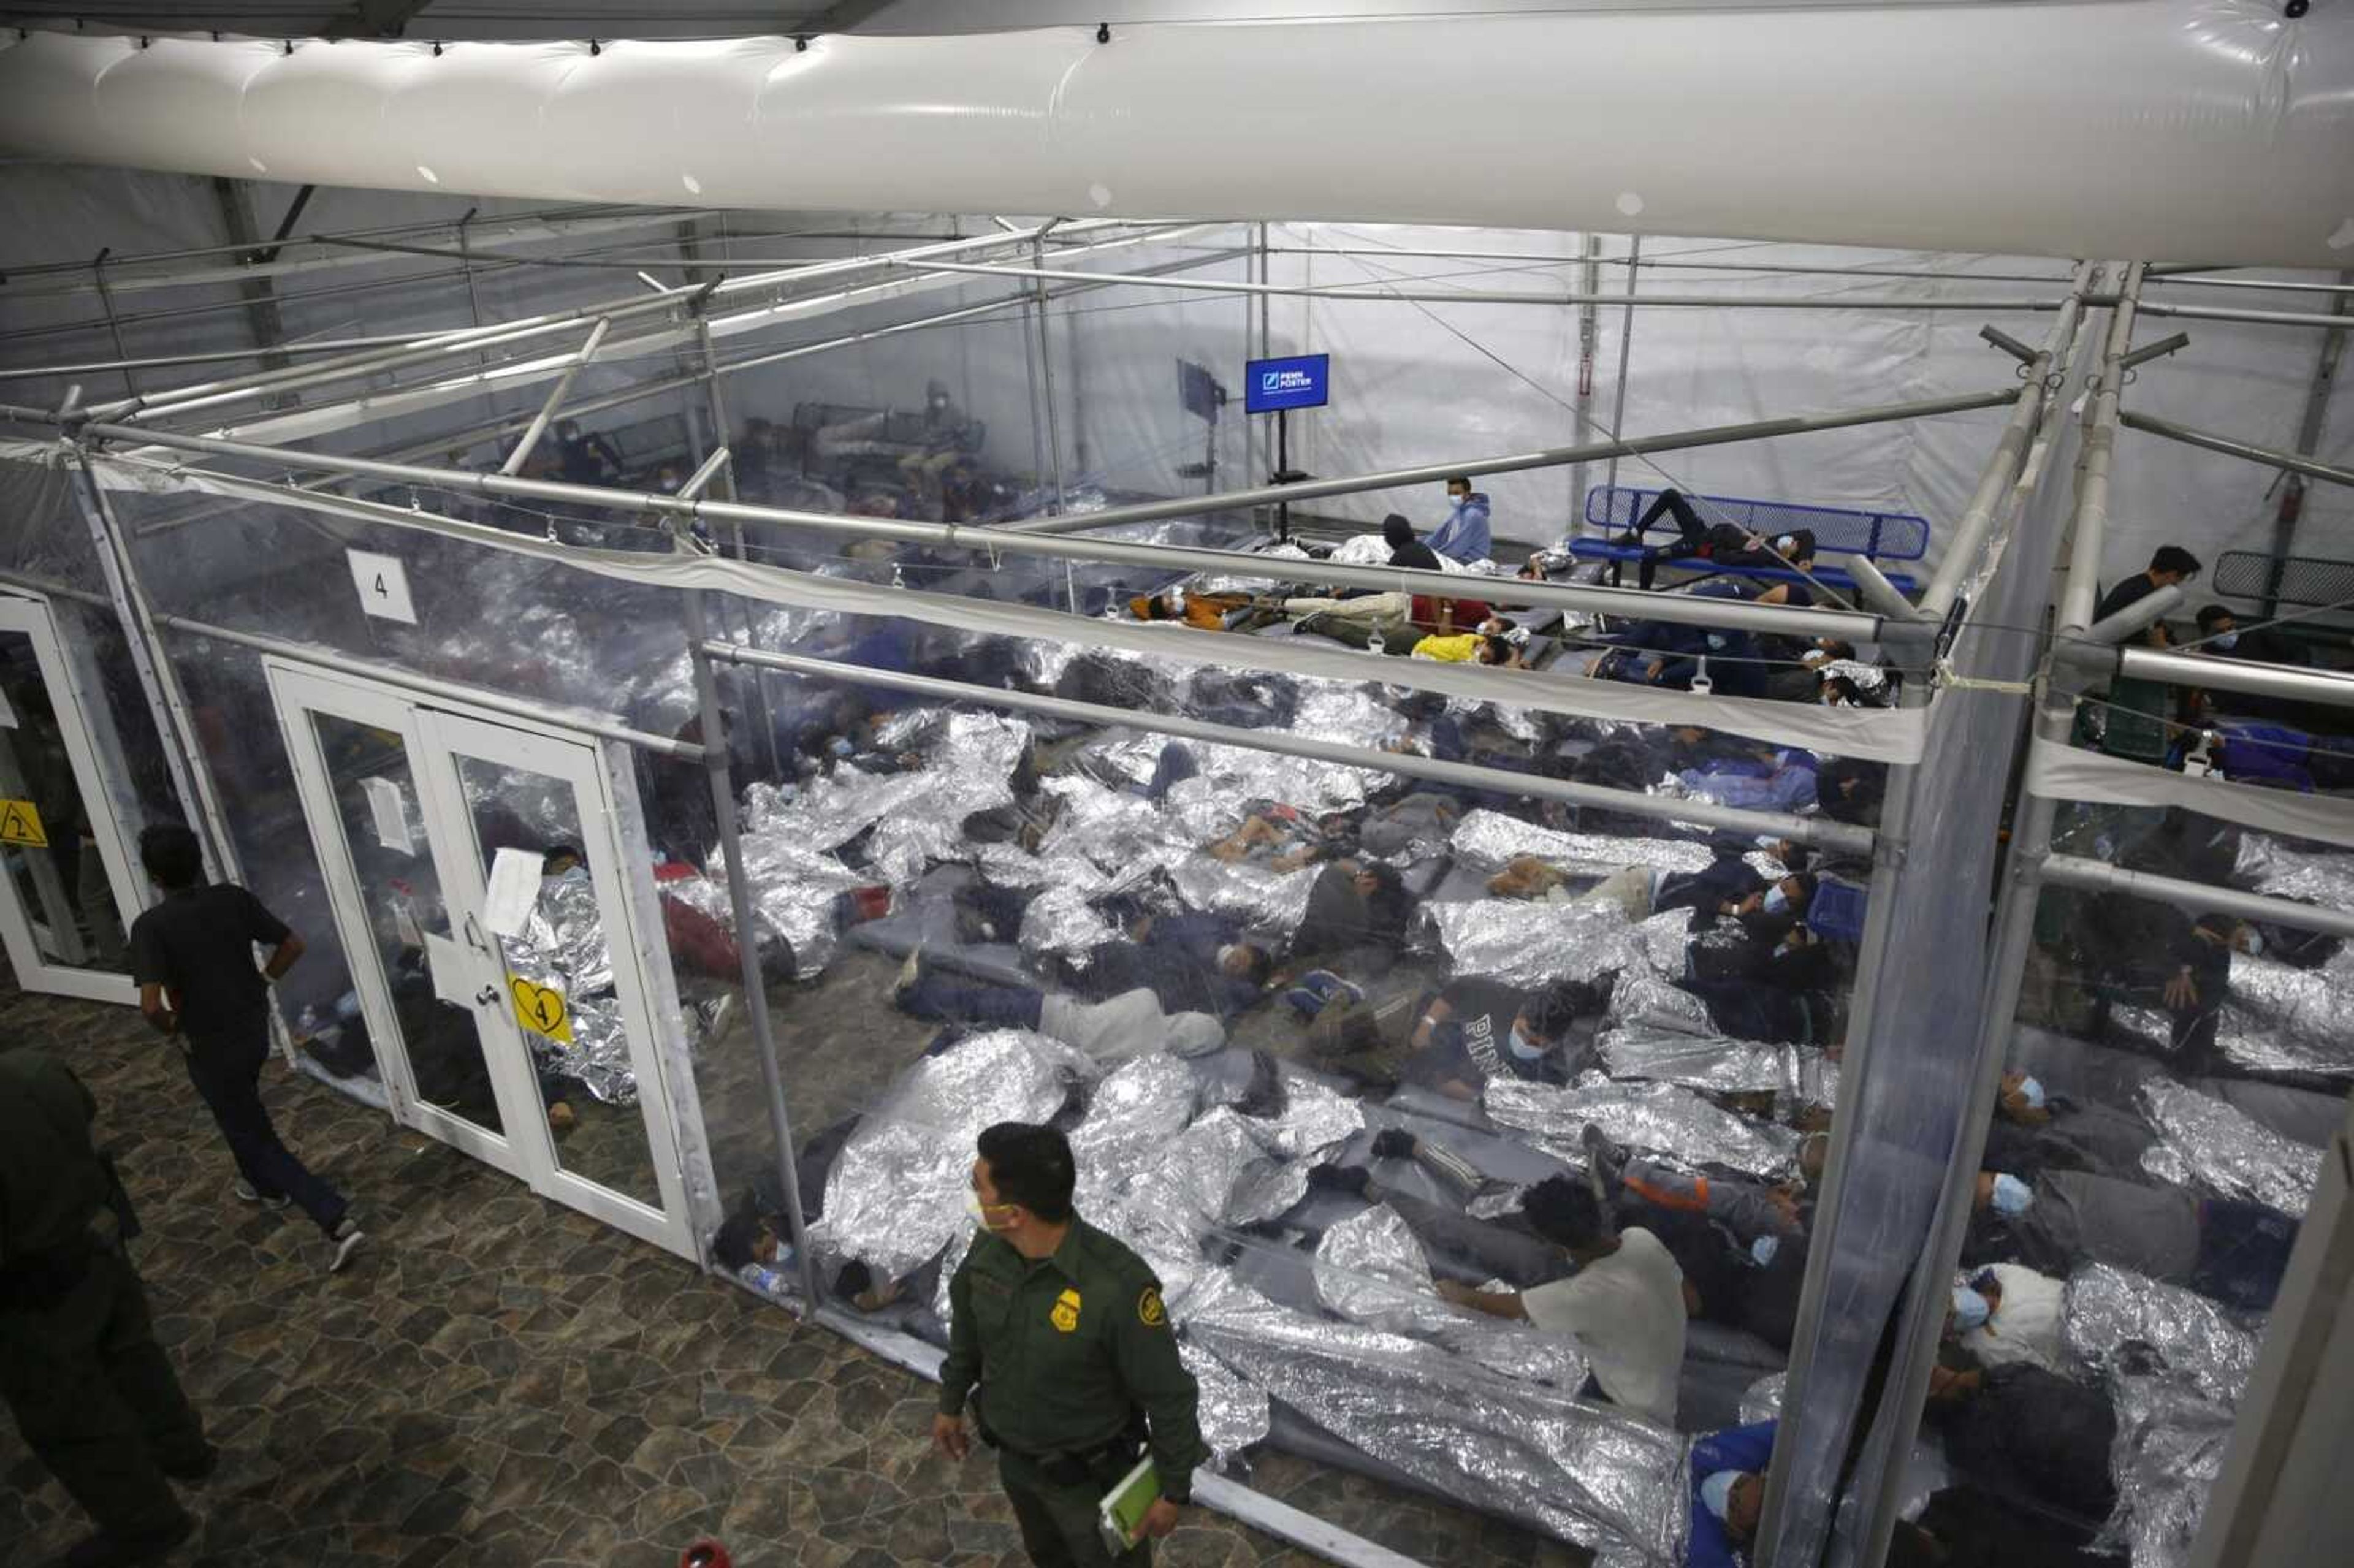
(229, 1080)
(95, 1399)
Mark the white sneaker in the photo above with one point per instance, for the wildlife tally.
(246, 1193)
(347, 1239)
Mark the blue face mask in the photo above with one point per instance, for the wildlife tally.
(2225, 643)
(1777, 901)
(2011, 1197)
(839, 747)
(1522, 1047)
(1762, 1250)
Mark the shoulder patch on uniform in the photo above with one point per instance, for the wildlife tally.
(1065, 1315)
(1149, 1311)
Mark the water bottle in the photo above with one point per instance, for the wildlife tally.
(766, 1280)
(307, 1023)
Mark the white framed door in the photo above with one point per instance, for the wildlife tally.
(410, 805)
(67, 888)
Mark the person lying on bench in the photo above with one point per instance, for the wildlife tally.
(1721, 544)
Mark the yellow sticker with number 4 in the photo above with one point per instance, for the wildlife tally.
(540, 1009)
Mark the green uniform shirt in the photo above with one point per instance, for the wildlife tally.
(51, 1183)
(1067, 1349)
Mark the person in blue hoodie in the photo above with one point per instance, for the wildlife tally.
(1728, 1493)
(1464, 536)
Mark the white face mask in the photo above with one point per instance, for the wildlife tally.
(2255, 944)
(1225, 955)
(981, 1212)
(1777, 901)
(2225, 643)
(2012, 1196)
(1522, 1047)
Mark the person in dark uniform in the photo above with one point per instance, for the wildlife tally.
(91, 1391)
(1058, 1332)
(191, 958)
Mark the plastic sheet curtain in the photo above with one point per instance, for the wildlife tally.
(1921, 1025)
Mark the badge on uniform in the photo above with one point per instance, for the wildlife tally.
(1065, 1315)
(1149, 1311)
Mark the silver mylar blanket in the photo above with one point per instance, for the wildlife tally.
(2281, 1019)
(1584, 1472)
(1717, 1066)
(2169, 1450)
(2106, 1308)
(1493, 838)
(1661, 1117)
(1533, 945)
(562, 946)
(897, 1192)
(2205, 1142)
(2271, 865)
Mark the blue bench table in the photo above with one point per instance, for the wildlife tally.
(1612, 511)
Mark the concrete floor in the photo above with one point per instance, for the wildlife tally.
(499, 1380)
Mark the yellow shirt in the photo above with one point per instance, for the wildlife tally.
(1458, 650)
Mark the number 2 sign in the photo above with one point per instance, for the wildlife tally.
(383, 582)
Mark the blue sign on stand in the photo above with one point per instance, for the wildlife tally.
(1276, 386)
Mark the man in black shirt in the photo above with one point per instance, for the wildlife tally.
(191, 958)
(1476, 1030)
(2172, 565)
(1406, 550)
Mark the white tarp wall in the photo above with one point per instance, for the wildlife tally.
(1415, 383)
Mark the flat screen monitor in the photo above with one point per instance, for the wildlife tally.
(1302, 381)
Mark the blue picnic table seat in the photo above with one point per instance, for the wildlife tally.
(1612, 511)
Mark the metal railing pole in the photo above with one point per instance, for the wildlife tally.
(2300, 463)
(540, 421)
(1046, 378)
(1549, 457)
(748, 940)
(1626, 354)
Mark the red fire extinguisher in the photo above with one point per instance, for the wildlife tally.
(705, 1554)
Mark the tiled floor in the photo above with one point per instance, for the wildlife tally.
(501, 1380)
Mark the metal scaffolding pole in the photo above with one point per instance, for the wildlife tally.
(747, 944)
(1921, 1318)
(1778, 618)
(476, 434)
(2332, 687)
(188, 399)
(2295, 462)
(2200, 898)
(1556, 297)
(1549, 457)
(1589, 330)
(2010, 453)
(1821, 832)
(1047, 378)
(540, 421)
(1626, 354)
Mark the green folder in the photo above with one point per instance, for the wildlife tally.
(1121, 1516)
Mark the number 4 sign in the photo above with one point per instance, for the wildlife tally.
(383, 582)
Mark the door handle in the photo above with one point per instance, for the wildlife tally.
(488, 995)
(474, 936)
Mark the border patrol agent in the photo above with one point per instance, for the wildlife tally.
(91, 1391)
(1063, 1329)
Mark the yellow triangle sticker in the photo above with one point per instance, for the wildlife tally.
(20, 823)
